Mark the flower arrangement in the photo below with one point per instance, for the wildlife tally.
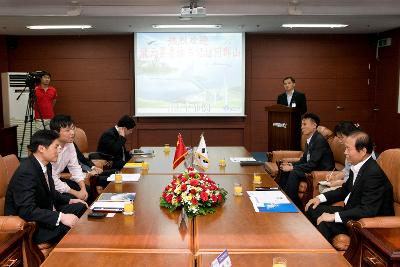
(194, 191)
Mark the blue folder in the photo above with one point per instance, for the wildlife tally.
(286, 207)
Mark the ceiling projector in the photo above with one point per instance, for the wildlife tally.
(187, 11)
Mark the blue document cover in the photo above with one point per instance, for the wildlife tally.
(284, 207)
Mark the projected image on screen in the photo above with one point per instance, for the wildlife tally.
(189, 74)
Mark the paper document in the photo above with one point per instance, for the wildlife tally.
(116, 197)
(108, 205)
(133, 165)
(239, 159)
(142, 151)
(126, 177)
(271, 201)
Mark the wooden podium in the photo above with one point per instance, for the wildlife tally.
(283, 128)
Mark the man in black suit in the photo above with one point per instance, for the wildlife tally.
(112, 141)
(367, 192)
(317, 156)
(32, 196)
(296, 100)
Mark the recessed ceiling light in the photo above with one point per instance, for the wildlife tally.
(57, 27)
(314, 25)
(191, 26)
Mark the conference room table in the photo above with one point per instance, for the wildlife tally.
(161, 162)
(153, 230)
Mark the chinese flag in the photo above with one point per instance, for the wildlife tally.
(180, 152)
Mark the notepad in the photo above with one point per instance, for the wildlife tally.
(108, 206)
(133, 165)
(126, 177)
(271, 201)
(239, 159)
(117, 197)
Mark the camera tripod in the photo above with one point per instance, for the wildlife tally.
(29, 115)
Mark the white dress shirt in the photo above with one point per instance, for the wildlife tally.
(355, 169)
(289, 97)
(44, 169)
(67, 158)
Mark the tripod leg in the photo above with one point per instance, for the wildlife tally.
(27, 116)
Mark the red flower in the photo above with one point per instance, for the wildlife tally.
(183, 179)
(204, 196)
(179, 199)
(164, 194)
(183, 187)
(168, 198)
(193, 191)
(219, 198)
(194, 182)
(191, 174)
(194, 201)
(214, 198)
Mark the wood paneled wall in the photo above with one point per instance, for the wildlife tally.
(92, 74)
(336, 72)
(95, 81)
(387, 94)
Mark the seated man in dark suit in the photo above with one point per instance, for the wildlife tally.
(367, 192)
(317, 156)
(32, 196)
(112, 141)
(294, 99)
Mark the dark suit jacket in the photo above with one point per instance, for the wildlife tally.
(113, 144)
(371, 195)
(298, 98)
(321, 156)
(29, 196)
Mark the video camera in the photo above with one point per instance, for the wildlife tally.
(33, 78)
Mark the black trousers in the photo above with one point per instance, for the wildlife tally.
(328, 229)
(51, 233)
(75, 186)
(289, 183)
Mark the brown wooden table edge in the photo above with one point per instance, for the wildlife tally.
(263, 251)
(124, 250)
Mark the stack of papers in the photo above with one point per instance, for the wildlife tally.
(239, 159)
(126, 177)
(271, 201)
(142, 152)
(112, 202)
(108, 206)
(117, 197)
(133, 165)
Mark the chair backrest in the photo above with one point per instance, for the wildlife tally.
(389, 162)
(12, 163)
(3, 185)
(81, 140)
(337, 148)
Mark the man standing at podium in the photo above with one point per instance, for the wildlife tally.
(296, 100)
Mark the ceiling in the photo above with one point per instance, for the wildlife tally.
(264, 16)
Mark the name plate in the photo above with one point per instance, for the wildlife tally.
(279, 124)
(222, 260)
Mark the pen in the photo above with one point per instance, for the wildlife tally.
(330, 175)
